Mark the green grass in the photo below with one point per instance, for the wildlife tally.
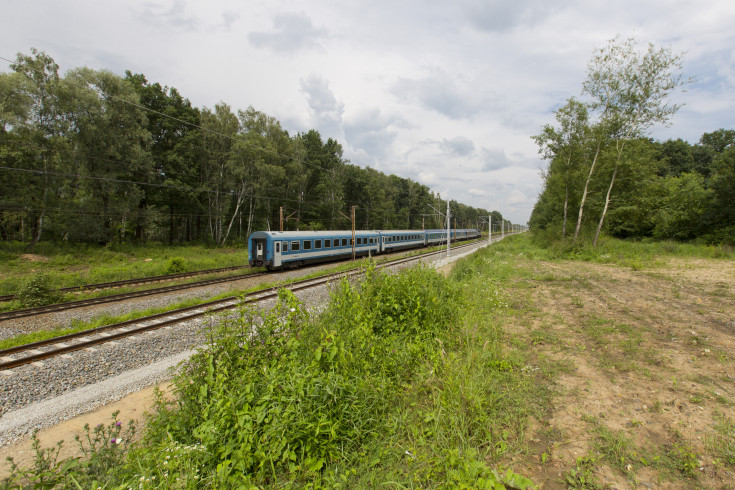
(397, 381)
(75, 265)
(407, 381)
(637, 255)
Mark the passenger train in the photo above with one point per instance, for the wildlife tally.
(288, 249)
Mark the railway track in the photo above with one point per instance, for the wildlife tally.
(12, 315)
(38, 351)
(133, 282)
(52, 308)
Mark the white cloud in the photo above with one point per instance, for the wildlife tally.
(494, 159)
(292, 33)
(459, 146)
(326, 110)
(445, 93)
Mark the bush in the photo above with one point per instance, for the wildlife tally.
(36, 291)
(176, 265)
(279, 396)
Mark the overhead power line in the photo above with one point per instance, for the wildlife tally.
(266, 150)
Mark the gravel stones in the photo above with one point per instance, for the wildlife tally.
(35, 396)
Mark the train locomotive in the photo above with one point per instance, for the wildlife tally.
(276, 250)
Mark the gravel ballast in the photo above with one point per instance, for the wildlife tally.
(44, 394)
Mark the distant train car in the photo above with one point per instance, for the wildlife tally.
(285, 249)
(288, 249)
(394, 240)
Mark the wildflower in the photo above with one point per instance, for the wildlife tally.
(119, 424)
(114, 441)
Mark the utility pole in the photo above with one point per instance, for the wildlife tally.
(449, 223)
(490, 228)
(352, 219)
(502, 229)
(353, 232)
(287, 217)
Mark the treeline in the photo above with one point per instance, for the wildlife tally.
(95, 157)
(604, 174)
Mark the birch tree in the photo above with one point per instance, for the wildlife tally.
(631, 90)
(565, 145)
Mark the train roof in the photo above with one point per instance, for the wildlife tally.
(285, 235)
(309, 234)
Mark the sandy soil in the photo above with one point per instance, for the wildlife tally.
(132, 407)
(644, 367)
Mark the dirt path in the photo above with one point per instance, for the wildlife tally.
(644, 365)
(132, 407)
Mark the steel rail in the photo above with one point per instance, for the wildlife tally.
(14, 314)
(172, 317)
(56, 307)
(140, 280)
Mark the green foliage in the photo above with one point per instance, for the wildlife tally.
(69, 265)
(103, 451)
(279, 396)
(176, 265)
(36, 291)
(680, 214)
(582, 476)
(630, 185)
(684, 459)
(107, 159)
(385, 385)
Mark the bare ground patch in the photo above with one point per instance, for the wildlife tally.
(645, 369)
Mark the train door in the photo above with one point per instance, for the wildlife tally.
(260, 249)
(277, 254)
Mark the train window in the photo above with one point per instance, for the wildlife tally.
(307, 244)
(359, 241)
(285, 246)
(295, 246)
(327, 243)
(317, 244)
(344, 242)
(278, 247)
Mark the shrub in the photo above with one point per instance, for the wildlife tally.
(36, 291)
(176, 265)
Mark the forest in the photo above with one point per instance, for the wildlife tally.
(605, 174)
(93, 157)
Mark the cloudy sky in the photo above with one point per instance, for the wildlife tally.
(446, 93)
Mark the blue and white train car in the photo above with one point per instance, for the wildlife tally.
(394, 240)
(286, 249)
(282, 249)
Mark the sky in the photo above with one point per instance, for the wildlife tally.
(446, 93)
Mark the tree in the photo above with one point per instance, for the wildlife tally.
(631, 90)
(219, 128)
(111, 147)
(686, 201)
(565, 146)
(176, 155)
(31, 108)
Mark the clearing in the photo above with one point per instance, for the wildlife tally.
(642, 361)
